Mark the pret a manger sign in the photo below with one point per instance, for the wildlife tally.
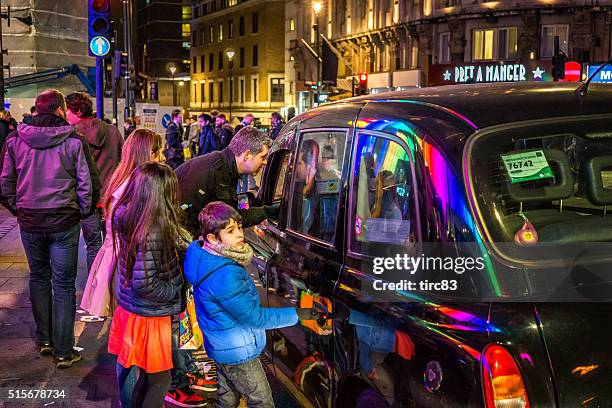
(490, 73)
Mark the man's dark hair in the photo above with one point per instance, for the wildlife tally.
(277, 115)
(215, 217)
(222, 115)
(194, 117)
(80, 104)
(33, 110)
(214, 113)
(249, 138)
(205, 116)
(175, 113)
(49, 101)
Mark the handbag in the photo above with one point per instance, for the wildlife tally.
(190, 335)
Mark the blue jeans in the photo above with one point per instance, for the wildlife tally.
(181, 360)
(92, 234)
(52, 258)
(248, 379)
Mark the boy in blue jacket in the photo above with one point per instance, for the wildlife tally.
(227, 305)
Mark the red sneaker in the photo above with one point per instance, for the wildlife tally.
(198, 381)
(185, 397)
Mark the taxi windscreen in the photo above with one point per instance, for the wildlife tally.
(544, 182)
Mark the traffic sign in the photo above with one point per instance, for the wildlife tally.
(99, 46)
(166, 119)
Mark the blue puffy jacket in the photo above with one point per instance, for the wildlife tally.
(228, 309)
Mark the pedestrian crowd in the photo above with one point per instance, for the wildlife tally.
(156, 227)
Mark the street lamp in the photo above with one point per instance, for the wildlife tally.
(230, 56)
(317, 6)
(172, 70)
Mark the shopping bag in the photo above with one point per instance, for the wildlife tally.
(98, 298)
(191, 337)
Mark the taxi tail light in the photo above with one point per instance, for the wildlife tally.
(502, 381)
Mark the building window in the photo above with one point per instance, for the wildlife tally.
(396, 12)
(211, 62)
(194, 97)
(241, 26)
(196, 11)
(203, 62)
(230, 29)
(549, 32)
(444, 50)
(211, 91)
(204, 9)
(220, 32)
(194, 37)
(194, 65)
(220, 60)
(414, 55)
(292, 24)
(233, 2)
(242, 91)
(231, 89)
(186, 30)
(202, 89)
(255, 56)
(241, 57)
(211, 34)
(213, 6)
(202, 36)
(492, 44)
(255, 23)
(220, 91)
(254, 90)
(186, 12)
(277, 90)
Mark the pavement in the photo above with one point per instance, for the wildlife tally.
(90, 382)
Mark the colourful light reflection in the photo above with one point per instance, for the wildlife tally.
(526, 357)
(442, 175)
(475, 322)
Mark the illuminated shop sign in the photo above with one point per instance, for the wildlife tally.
(444, 74)
(605, 75)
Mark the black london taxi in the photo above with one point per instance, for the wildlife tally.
(507, 183)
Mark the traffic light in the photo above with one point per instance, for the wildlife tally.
(363, 84)
(100, 28)
(558, 66)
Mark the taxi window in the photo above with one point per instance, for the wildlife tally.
(383, 212)
(316, 184)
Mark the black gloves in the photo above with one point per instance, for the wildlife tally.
(272, 211)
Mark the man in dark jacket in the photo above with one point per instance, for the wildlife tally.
(208, 141)
(174, 141)
(214, 177)
(49, 180)
(277, 124)
(106, 143)
(224, 130)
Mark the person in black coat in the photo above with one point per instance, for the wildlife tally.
(208, 141)
(214, 177)
(174, 153)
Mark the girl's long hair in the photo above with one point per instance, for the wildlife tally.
(148, 204)
(139, 147)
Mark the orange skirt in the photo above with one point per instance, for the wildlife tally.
(141, 341)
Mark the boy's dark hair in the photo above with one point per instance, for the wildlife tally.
(205, 116)
(215, 217)
(33, 109)
(276, 115)
(80, 104)
(49, 101)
